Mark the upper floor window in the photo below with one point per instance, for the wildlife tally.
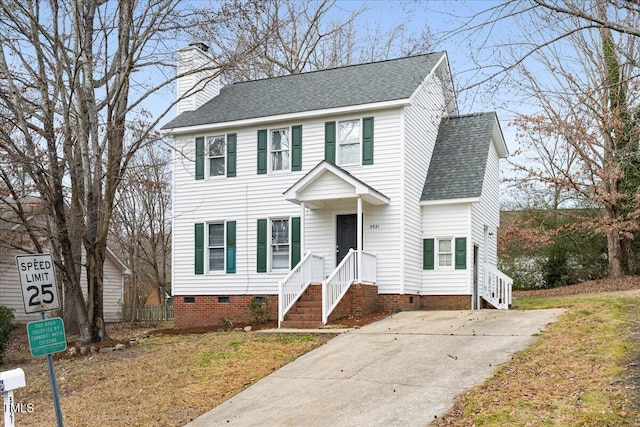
(279, 244)
(445, 254)
(349, 142)
(216, 154)
(280, 146)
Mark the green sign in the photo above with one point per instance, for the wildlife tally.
(46, 336)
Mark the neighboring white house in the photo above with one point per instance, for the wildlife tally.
(114, 275)
(363, 180)
(10, 290)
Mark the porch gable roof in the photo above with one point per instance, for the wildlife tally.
(350, 186)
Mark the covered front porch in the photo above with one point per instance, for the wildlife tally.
(342, 259)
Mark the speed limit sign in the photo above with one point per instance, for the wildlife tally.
(38, 282)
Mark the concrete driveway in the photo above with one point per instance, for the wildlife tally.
(404, 370)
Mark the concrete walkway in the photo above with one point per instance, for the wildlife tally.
(401, 371)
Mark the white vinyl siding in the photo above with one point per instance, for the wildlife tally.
(447, 222)
(421, 120)
(249, 197)
(487, 213)
(113, 297)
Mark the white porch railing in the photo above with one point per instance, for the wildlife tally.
(308, 270)
(368, 264)
(345, 274)
(497, 288)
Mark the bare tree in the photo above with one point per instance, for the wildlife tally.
(142, 219)
(308, 35)
(583, 130)
(73, 78)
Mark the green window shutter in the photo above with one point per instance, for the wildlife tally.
(367, 141)
(428, 254)
(295, 241)
(262, 151)
(199, 248)
(200, 157)
(461, 253)
(262, 246)
(296, 148)
(231, 154)
(330, 142)
(231, 247)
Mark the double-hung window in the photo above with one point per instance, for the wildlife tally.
(216, 153)
(279, 244)
(280, 146)
(349, 142)
(216, 246)
(445, 254)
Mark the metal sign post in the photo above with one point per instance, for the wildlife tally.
(40, 294)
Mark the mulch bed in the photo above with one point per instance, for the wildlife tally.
(626, 283)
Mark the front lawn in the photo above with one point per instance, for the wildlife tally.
(583, 370)
(165, 380)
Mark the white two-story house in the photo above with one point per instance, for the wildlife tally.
(333, 192)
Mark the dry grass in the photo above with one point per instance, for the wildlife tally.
(166, 380)
(582, 371)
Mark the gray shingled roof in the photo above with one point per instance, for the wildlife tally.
(459, 159)
(338, 87)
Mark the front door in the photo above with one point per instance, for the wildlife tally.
(346, 235)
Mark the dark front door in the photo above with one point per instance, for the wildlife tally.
(346, 235)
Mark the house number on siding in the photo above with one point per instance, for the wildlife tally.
(374, 226)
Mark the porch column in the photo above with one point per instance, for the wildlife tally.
(359, 237)
(302, 228)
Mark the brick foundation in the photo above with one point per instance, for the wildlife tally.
(208, 310)
(360, 299)
(446, 302)
(396, 302)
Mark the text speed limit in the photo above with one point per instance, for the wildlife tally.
(38, 282)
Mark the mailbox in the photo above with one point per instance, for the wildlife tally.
(13, 379)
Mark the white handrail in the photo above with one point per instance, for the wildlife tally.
(308, 270)
(345, 274)
(497, 288)
(368, 267)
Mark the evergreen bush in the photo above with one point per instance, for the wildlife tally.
(6, 326)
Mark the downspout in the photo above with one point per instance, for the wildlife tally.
(303, 226)
(359, 239)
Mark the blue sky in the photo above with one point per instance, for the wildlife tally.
(442, 18)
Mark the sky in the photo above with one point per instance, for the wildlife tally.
(445, 19)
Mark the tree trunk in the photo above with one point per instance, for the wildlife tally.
(95, 282)
(614, 247)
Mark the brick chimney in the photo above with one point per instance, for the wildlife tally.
(201, 88)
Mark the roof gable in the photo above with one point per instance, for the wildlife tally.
(334, 88)
(341, 185)
(459, 158)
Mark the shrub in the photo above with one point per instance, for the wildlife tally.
(6, 326)
(259, 308)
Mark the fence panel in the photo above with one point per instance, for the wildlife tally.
(149, 313)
